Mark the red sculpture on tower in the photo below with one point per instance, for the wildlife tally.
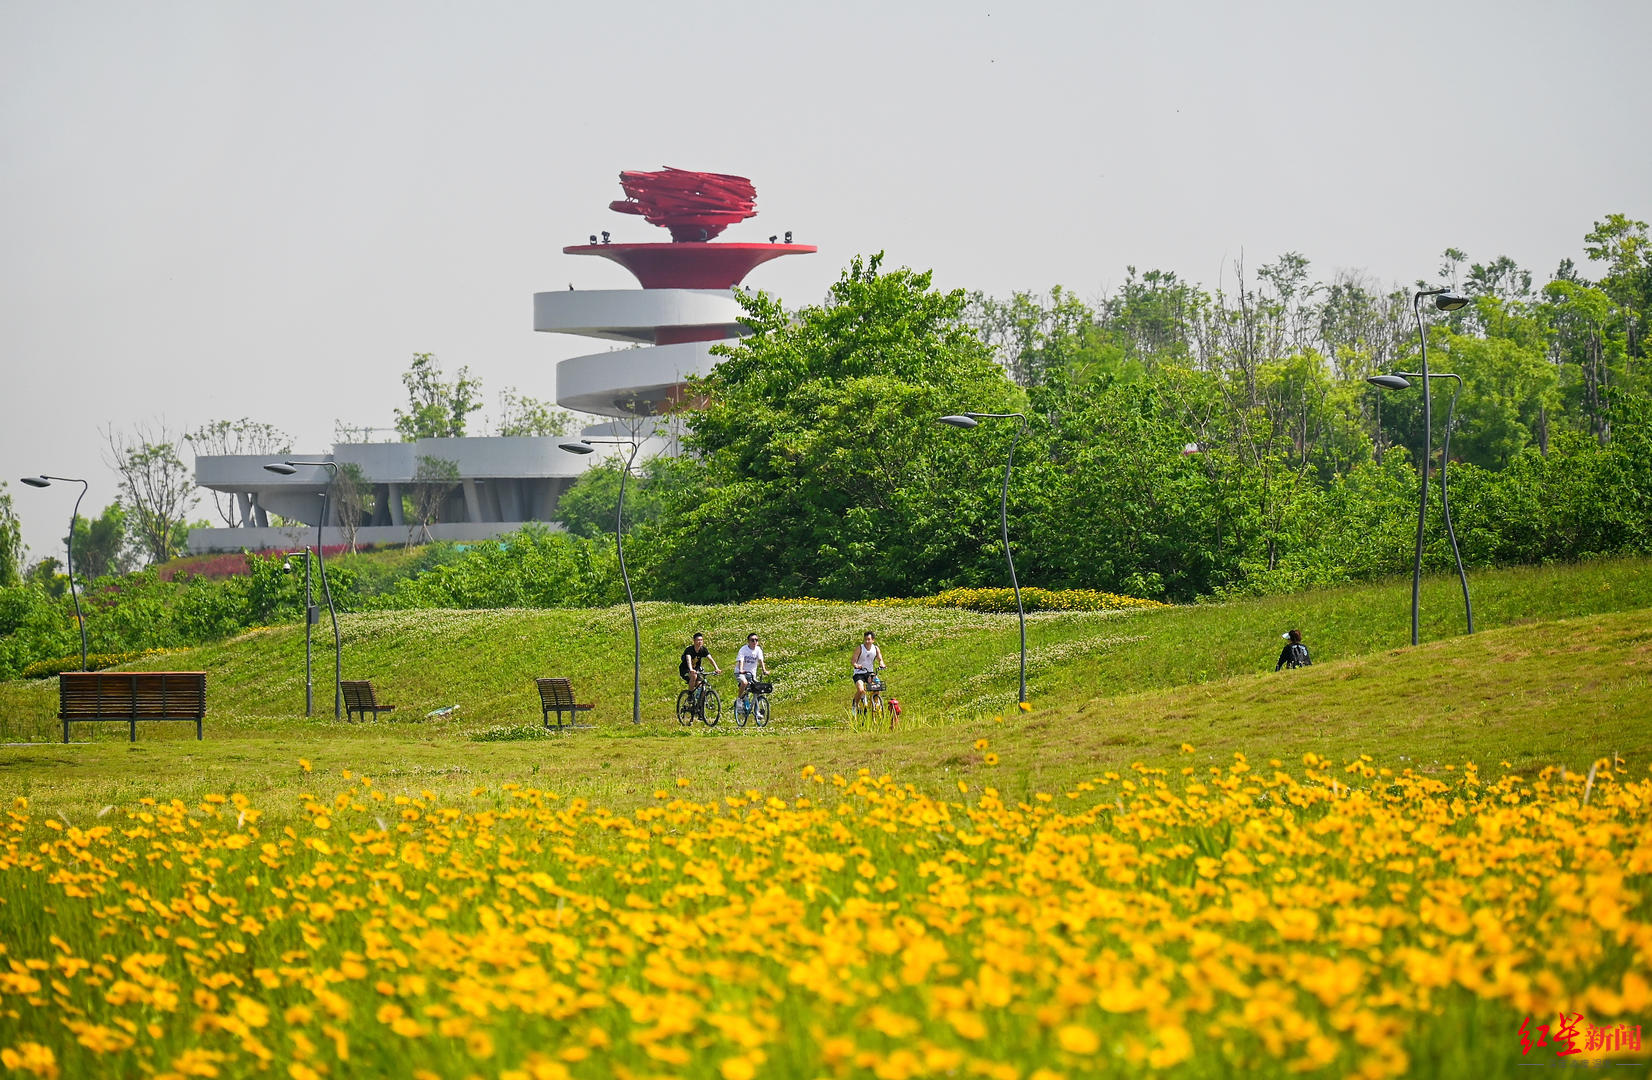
(695, 207)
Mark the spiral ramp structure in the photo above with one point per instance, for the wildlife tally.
(669, 332)
(685, 306)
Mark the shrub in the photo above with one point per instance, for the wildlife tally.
(999, 600)
(516, 733)
(44, 669)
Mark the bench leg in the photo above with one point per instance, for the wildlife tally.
(134, 729)
(197, 730)
(65, 731)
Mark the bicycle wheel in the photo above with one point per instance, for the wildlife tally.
(876, 706)
(742, 710)
(760, 711)
(685, 708)
(711, 708)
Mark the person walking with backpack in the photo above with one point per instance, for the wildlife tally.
(1294, 654)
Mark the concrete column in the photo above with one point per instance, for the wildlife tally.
(243, 507)
(510, 499)
(394, 498)
(259, 516)
(544, 496)
(473, 505)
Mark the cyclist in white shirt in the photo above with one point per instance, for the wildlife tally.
(866, 662)
(748, 662)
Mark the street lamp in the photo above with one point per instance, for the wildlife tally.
(587, 446)
(1444, 300)
(287, 468)
(969, 420)
(42, 481)
(310, 617)
(1400, 380)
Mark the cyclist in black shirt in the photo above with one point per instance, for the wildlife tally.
(689, 668)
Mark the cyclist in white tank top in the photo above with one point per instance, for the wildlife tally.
(866, 662)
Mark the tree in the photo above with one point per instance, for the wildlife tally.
(11, 541)
(155, 485)
(589, 505)
(102, 544)
(1624, 246)
(433, 481)
(48, 574)
(821, 469)
(222, 438)
(523, 415)
(436, 408)
(351, 491)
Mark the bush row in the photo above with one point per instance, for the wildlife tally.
(57, 665)
(998, 600)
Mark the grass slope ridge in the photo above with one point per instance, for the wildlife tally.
(1564, 691)
(947, 664)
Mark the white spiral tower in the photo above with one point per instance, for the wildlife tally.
(685, 306)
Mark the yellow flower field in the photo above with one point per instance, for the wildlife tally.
(1322, 920)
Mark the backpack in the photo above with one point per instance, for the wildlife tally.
(1298, 655)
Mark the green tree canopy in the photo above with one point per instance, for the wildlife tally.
(436, 407)
(103, 543)
(11, 541)
(821, 468)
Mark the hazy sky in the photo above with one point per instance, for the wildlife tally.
(211, 210)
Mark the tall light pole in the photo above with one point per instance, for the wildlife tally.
(1399, 380)
(310, 615)
(46, 481)
(287, 468)
(587, 446)
(1444, 300)
(969, 420)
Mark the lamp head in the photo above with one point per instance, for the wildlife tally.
(37, 481)
(1390, 382)
(960, 421)
(1450, 301)
(280, 468)
(577, 448)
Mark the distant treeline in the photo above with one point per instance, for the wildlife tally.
(1181, 441)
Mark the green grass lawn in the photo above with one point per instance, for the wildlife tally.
(1559, 675)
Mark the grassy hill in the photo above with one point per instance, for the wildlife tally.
(1558, 675)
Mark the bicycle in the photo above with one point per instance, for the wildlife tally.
(871, 703)
(700, 703)
(753, 705)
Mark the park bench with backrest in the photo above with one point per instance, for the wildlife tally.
(557, 695)
(131, 696)
(360, 698)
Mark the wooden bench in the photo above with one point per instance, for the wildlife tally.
(360, 698)
(131, 696)
(557, 695)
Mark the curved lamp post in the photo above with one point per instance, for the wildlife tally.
(969, 420)
(42, 481)
(587, 446)
(287, 468)
(1400, 380)
(309, 621)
